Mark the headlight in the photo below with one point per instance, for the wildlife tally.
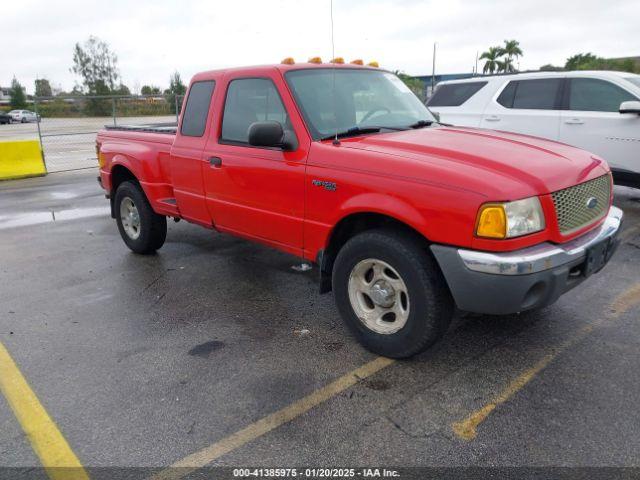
(512, 219)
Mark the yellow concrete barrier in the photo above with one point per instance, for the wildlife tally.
(20, 159)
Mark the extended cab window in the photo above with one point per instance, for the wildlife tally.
(593, 95)
(194, 118)
(251, 100)
(455, 94)
(538, 94)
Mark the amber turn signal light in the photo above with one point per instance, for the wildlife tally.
(492, 222)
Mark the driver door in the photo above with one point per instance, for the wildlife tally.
(255, 192)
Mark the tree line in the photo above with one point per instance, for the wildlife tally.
(589, 61)
(96, 65)
(500, 59)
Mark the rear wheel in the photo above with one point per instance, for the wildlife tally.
(142, 229)
(391, 293)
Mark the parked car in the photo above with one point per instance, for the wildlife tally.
(598, 111)
(343, 166)
(24, 116)
(5, 118)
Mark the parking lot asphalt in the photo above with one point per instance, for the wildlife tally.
(148, 360)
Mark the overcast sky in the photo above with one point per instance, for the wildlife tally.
(154, 38)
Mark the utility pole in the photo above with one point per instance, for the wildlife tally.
(433, 69)
(476, 70)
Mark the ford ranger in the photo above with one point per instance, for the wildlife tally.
(341, 165)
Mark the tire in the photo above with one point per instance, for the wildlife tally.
(420, 314)
(24, 120)
(132, 208)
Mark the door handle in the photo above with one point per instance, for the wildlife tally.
(492, 118)
(215, 162)
(574, 121)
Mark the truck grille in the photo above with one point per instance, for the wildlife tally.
(575, 207)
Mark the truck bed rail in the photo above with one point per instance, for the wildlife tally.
(168, 128)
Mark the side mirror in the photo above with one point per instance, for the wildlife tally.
(269, 134)
(630, 107)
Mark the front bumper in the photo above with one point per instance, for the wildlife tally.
(534, 277)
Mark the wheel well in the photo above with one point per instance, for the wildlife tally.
(350, 226)
(119, 174)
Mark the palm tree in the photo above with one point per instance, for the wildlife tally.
(505, 66)
(491, 56)
(512, 50)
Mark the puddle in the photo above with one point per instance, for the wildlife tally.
(63, 195)
(36, 218)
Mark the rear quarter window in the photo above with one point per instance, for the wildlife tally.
(454, 94)
(194, 118)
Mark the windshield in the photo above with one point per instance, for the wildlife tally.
(634, 80)
(362, 98)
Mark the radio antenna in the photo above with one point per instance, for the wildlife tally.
(333, 74)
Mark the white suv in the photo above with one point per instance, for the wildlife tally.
(598, 111)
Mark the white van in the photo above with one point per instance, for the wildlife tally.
(598, 111)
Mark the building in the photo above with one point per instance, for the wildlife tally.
(427, 80)
(5, 97)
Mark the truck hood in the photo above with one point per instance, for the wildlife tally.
(490, 162)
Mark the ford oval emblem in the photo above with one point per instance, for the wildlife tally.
(592, 202)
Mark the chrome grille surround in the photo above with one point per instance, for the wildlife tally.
(571, 204)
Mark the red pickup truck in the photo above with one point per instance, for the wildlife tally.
(343, 166)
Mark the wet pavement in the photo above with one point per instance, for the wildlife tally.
(144, 360)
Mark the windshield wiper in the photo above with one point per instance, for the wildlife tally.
(358, 131)
(422, 124)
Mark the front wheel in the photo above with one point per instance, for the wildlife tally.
(142, 229)
(391, 293)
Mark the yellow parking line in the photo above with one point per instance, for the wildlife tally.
(626, 301)
(266, 424)
(46, 440)
(466, 429)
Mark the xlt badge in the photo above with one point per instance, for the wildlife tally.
(331, 186)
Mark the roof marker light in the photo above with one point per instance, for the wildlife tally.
(357, 61)
(373, 64)
(288, 61)
(338, 60)
(315, 60)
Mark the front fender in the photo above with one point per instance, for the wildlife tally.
(383, 204)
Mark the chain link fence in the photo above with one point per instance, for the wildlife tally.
(68, 125)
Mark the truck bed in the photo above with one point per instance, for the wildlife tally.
(168, 128)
